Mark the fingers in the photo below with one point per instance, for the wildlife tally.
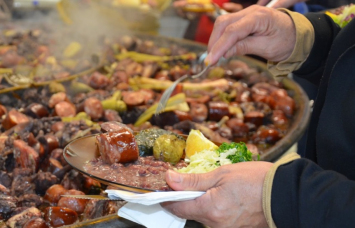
(190, 209)
(232, 7)
(230, 30)
(192, 182)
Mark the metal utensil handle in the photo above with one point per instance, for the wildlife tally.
(272, 3)
(167, 93)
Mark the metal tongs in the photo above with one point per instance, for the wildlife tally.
(89, 197)
(167, 93)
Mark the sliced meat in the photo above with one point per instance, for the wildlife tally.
(77, 205)
(117, 146)
(21, 219)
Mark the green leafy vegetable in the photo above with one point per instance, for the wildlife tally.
(208, 160)
(235, 152)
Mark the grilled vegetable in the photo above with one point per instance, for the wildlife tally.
(169, 148)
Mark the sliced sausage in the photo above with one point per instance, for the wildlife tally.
(13, 118)
(93, 107)
(217, 110)
(254, 117)
(56, 98)
(132, 98)
(199, 112)
(36, 110)
(3, 110)
(98, 81)
(65, 109)
(54, 193)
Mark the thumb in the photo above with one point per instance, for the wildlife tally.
(189, 182)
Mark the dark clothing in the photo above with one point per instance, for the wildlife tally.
(330, 3)
(306, 194)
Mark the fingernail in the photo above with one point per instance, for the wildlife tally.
(208, 59)
(174, 176)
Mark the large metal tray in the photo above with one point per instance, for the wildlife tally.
(297, 129)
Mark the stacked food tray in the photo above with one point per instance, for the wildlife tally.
(52, 93)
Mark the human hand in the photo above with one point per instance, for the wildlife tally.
(232, 7)
(257, 30)
(280, 3)
(233, 195)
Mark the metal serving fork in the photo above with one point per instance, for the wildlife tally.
(167, 93)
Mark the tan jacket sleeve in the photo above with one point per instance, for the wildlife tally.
(267, 187)
(303, 46)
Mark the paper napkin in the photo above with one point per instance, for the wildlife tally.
(145, 208)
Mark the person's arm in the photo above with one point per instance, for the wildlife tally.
(279, 3)
(304, 195)
(325, 31)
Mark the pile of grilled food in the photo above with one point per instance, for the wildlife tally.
(52, 93)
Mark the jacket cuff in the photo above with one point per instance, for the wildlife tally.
(267, 186)
(303, 46)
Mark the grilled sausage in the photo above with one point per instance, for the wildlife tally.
(198, 112)
(53, 194)
(36, 110)
(77, 205)
(93, 107)
(117, 146)
(13, 118)
(254, 117)
(133, 98)
(217, 110)
(65, 109)
(59, 216)
(56, 98)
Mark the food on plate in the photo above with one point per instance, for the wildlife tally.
(197, 142)
(147, 137)
(169, 151)
(210, 159)
(117, 146)
(199, 6)
(169, 148)
(235, 102)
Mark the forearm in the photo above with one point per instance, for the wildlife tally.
(304, 195)
(301, 50)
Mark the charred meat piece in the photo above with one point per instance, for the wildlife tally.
(5, 179)
(117, 146)
(21, 219)
(113, 126)
(22, 182)
(30, 200)
(13, 118)
(35, 223)
(77, 205)
(59, 216)
(7, 205)
(25, 155)
(73, 180)
(43, 181)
